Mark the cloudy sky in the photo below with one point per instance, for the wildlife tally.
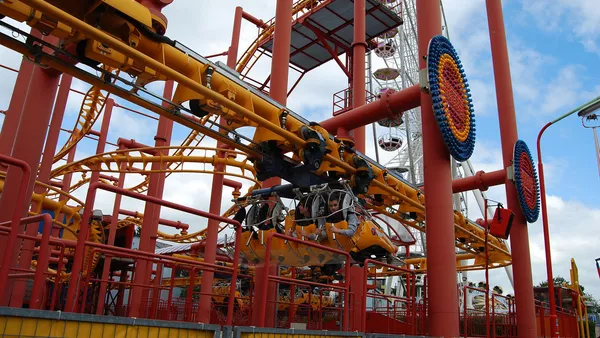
(554, 52)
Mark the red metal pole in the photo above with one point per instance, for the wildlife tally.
(165, 222)
(257, 22)
(232, 52)
(27, 145)
(278, 91)
(37, 291)
(487, 272)
(389, 105)
(54, 131)
(204, 305)
(481, 180)
(74, 283)
(281, 51)
(519, 238)
(13, 114)
(359, 49)
(112, 233)
(441, 262)
(15, 228)
(150, 222)
(553, 317)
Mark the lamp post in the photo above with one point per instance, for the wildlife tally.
(583, 110)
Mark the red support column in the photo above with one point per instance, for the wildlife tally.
(232, 52)
(76, 277)
(54, 131)
(13, 114)
(441, 262)
(278, 91)
(519, 238)
(152, 211)
(33, 118)
(357, 289)
(204, 303)
(359, 49)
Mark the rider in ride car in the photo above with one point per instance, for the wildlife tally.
(336, 215)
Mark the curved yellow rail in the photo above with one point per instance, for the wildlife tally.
(91, 107)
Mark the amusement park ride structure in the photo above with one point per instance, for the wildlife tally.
(83, 261)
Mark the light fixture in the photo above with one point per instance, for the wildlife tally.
(589, 110)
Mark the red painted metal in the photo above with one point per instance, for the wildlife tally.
(441, 262)
(72, 295)
(133, 144)
(161, 221)
(27, 145)
(281, 52)
(359, 49)
(124, 192)
(15, 228)
(519, 238)
(257, 22)
(112, 233)
(232, 184)
(232, 52)
(481, 180)
(410, 301)
(155, 189)
(54, 131)
(388, 106)
(10, 124)
(37, 291)
(263, 299)
(550, 277)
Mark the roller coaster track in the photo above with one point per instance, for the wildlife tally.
(192, 140)
(223, 94)
(110, 162)
(91, 107)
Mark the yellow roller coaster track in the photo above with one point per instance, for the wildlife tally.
(91, 107)
(219, 92)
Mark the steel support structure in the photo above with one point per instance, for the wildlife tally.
(441, 258)
(33, 118)
(76, 275)
(519, 238)
(152, 211)
(359, 50)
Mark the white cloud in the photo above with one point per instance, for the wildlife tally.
(577, 17)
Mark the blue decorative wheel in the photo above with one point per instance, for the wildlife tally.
(526, 181)
(451, 98)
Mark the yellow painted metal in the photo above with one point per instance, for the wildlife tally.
(39, 327)
(151, 61)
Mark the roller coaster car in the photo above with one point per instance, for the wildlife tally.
(368, 241)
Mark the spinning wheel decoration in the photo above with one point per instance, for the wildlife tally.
(526, 181)
(451, 98)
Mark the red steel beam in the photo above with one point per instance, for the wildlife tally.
(152, 211)
(10, 243)
(439, 211)
(359, 49)
(133, 144)
(519, 237)
(257, 22)
(388, 106)
(236, 253)
(481, 180)
(72, 295)
(162, 221)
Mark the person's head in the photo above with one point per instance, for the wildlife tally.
(334, 202)
(304, 207)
